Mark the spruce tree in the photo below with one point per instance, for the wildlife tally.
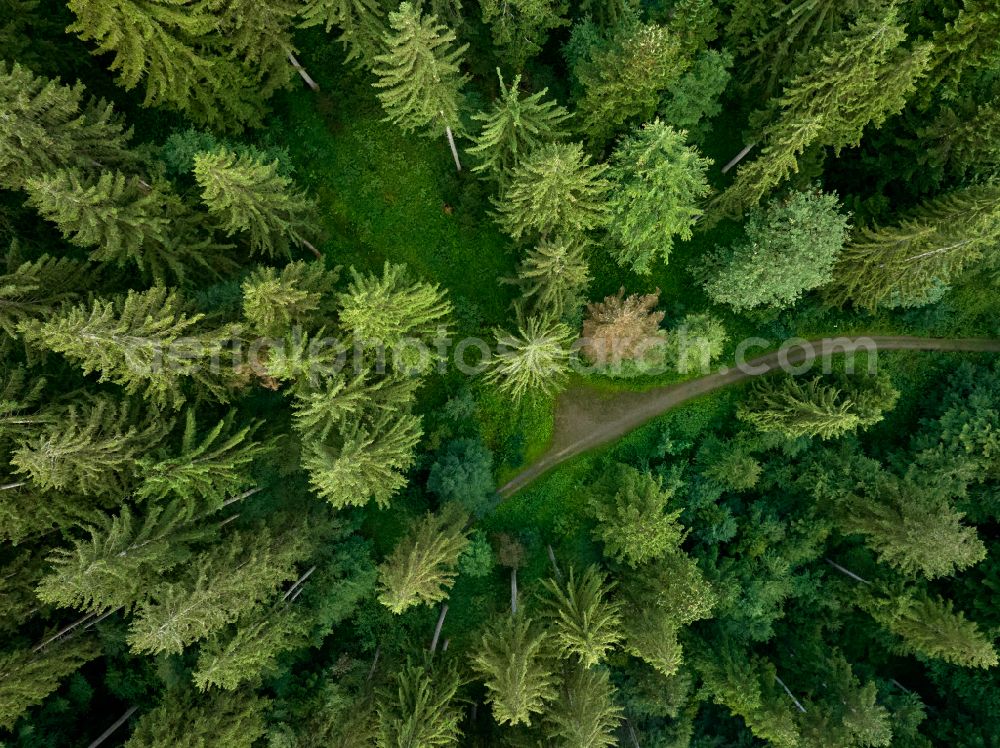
(632, 518)
(554, 191)
(259, 34)
(658, 182)
(625, 76)
(909, 264)
(300, 294)
(249, 196)
(145, 342)
(514, 127)
(421, 568)
(173, 46)
(112, 215)
(553, 277)
(930, 627)
(419, 79)
(29, 676)
(856, 80)
(966, 45)
(362, 25)
(121, 559)
(49, 126)
(385, 310)
(91, 449)
(419, 708)
(520, 27)
(223, 583)
(586, 623)
(585, 714)
(35, 288)
(512, 660)
(208, 468)
(186, 718)
(534, 361)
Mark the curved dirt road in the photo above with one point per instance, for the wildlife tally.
(586, 418)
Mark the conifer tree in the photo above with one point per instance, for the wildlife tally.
(633, 522)
(584, 715)
(28, 677)
(174, 48)
(534, 361)
(419, 79)
(624, 330)
(789, 248)
(625, 76)
(658, 182)
(362, 25)
(207, 469)
(49, 126)
(224, 582)
(793, 409)
(514, 127)
(553, 277)
(967, 44)
(520, 27)
(554, 191)
(385, 310)
(930, 627)
(586, 623)
(911, 526)
(419, 709)
(366, 462)
(422, 567)
(247, 195)
(907, 264)
(847, 712)
(300, 294)
(33, 289)
(123, 556)
(91, 449)
(185, 718)
(512, 661)
(27, 511)
(963, 142)
(259, 34)
(112, 215)
(145, 342)
(855, 80)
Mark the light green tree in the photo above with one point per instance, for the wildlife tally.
(49, 126)
(146, 342)
(586, 622)
(658, 182)
(554, 191)
(514, 127)
(632, 518)
(247, 195)
(512, 661)
(584, 715)
(422, 567)
(553, 277)
(186, 719)
(300, 294)
(33, 289)
(907, 264)
(362, 25)
(789, 248)
(419, 80)
(419, 708)
(535, 360)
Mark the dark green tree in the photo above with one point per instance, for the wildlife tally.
(421, 709)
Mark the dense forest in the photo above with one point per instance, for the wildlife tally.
(293, 288)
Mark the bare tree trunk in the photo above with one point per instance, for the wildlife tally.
(555, 566)
(798, 704)
(631, 732)
(8, 486)
(371, 671)
(451, 142)
(444, 647)
(513, 590)
(63, 631)
(312, 249)
(298, 582)
(244, 495)
(437, 629)
(738, 157)
(846, 572)
(118, 723)
(302, 71)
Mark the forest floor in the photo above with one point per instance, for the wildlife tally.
(588, 417)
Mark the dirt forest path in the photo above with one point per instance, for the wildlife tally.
(586, 418)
